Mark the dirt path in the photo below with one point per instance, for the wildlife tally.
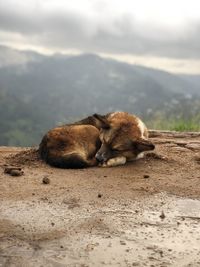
(146, 213)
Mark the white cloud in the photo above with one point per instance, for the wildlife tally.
(159, 29)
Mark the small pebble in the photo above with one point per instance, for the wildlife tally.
(162, 215)
(122, 242)
(16, 173)
(13, 171)
(46, 180)
(99, 195)
(146, 176)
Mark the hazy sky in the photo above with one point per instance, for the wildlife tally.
(156, 33)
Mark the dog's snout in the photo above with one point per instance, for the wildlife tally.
(99, 157)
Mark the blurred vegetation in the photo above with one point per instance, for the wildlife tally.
(24, 125)
(184, 116)
(173, 124)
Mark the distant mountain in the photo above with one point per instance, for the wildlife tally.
(184, 84)
(43, 91)
(9, 57)
(192, 79)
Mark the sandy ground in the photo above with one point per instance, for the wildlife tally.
(146, 213)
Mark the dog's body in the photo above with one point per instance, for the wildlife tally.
(72, 146)
(108, 140)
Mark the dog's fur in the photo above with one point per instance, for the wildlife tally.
(73, 145)
(108, 140)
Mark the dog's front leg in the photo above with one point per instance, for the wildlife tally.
(115, 162)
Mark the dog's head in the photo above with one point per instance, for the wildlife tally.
(122, 135)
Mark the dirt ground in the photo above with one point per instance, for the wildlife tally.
(146, 213)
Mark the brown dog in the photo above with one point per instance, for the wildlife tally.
(108, 140)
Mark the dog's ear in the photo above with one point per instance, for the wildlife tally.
(102, 120)
(142, 145)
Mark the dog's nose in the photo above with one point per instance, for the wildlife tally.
(99, 157)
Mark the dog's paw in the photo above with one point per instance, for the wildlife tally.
(114, 162)
(140, 156)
